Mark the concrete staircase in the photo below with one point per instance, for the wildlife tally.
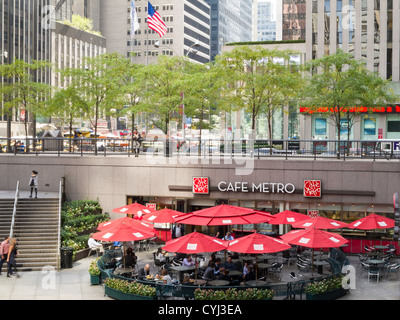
(36, 231)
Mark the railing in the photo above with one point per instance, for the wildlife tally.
(14, 210)
(259, 148)
(60, 196)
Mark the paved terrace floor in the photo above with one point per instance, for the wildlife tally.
(74, 284)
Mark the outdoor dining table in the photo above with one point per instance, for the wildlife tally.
(235, 273)
(219, 283)
(380, 248)
(181, 270)
(199, 282)
(374, 261)
(320, 264)
(123, 271)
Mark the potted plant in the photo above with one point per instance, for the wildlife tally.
(94, 272)
(327, 289)
(125, 290)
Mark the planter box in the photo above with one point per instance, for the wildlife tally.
(95, 280)
(329, 295)
(118, 295)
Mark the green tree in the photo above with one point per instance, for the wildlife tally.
(96, 87)
(163, 95)
(22, 90)
(337, 83)
(259, 81)
(201, 94)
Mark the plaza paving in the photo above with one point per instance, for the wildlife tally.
(74, 284)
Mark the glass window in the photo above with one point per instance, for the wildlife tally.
(320, 127)
(344, 126)
(393, 126)
(369, 127)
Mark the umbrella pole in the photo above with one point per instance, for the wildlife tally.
(195, 266)
(256, 268)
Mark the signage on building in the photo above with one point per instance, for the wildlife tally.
(313, 213)
(201, 185)
(151, 205)
(361, 109)
(312, 189)
(263, 187)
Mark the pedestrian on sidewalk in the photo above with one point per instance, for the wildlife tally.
(12, 252)
(5, 246)
(33, 183)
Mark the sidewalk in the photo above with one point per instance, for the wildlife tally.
(74, 284)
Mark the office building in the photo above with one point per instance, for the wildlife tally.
(293, 19)
(265, 23)
(231, 21)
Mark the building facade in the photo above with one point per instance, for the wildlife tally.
(265, 20)
(231, 21)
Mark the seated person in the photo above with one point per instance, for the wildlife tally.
(228, 237)
(229, 264)
(209, 274)
(217, 266)
(144, 272)
(166, 277)
(188, 262)
(93, 244)
(224, 275)
(186, 281)
(250, 275)
(129, 259)
(160, 256)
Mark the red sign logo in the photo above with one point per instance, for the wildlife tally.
(312, 188)
(201, 185)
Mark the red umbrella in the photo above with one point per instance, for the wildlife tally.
(195, 242)
(136, 209)
(320, 223)
(256, 243)
(225, 215)
(288, 217)
(125, 232)
(314, 238)
(163, 216)
(372, 221)
(125, 221)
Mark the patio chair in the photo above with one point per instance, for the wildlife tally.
(303, 268)
(276, 270)
(368, 248)
(374, 271)
(392, 268)
(364, 267)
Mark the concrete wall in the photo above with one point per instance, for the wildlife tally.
(112, 179)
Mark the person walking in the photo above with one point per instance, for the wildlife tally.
(33, 183)
(5, 246)
(137, 141)
(12, 252)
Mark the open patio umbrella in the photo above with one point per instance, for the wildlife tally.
(315, 239)
(320, 223)
(125, 232)
(126, 221)
(287, 217)
(224, 215)
(372, 222)
(163, 216)
(136, 209)
(257, 243)
(194, 243)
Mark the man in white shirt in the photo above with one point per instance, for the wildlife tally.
(93, 244)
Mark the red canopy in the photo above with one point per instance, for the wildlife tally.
(125, 232)
(314, 238)
(372, 221)
(224, 215)
(195, 242)
(288, 217)
(163, 216)
(126, 221)
(257, 243)
(320, 223)
(136, 209)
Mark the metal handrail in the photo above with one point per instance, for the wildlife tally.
(59, 227)
(14, 210)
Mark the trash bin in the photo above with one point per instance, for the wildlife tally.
(66, 257)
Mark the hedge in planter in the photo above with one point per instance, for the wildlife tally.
(327, 289)
(234, 294)
(125, 290)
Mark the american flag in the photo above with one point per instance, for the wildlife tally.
(155, 22)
